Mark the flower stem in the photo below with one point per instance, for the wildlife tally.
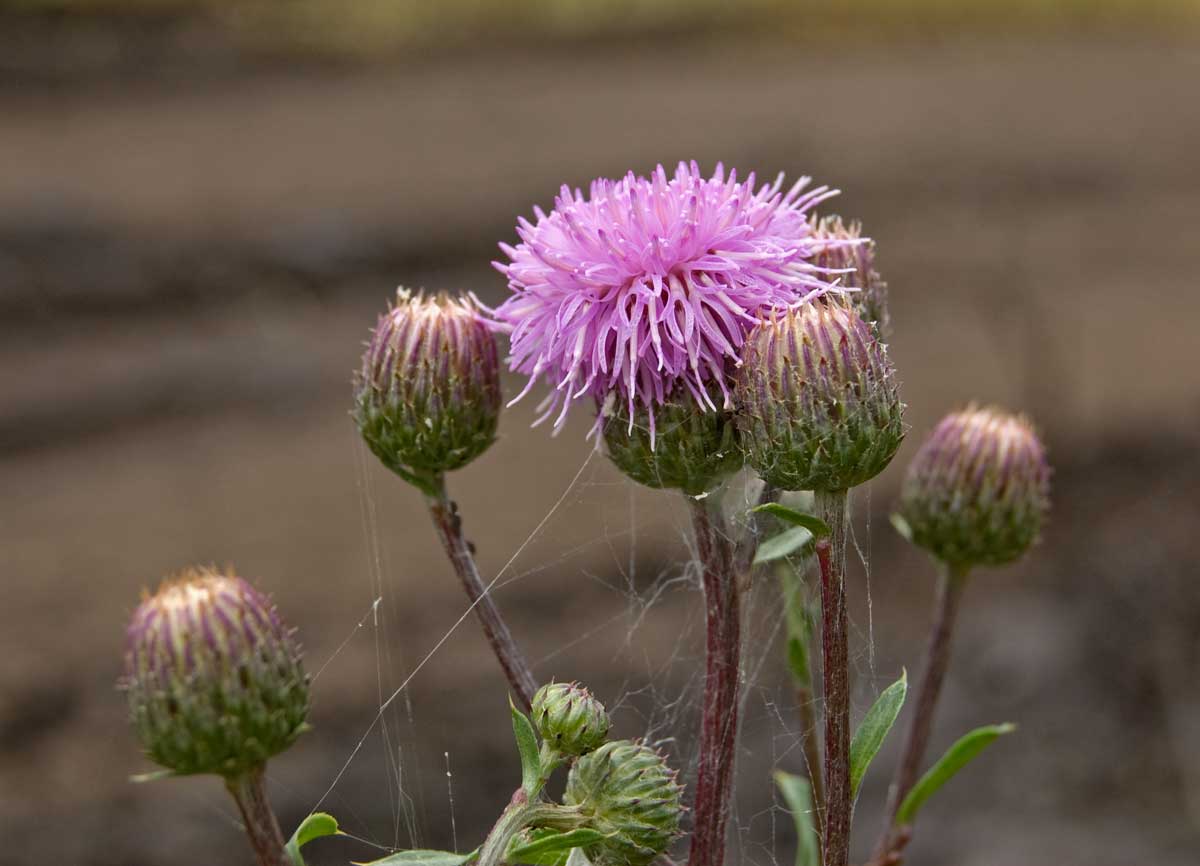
(512, 821)
(937, 660)
(512, 660)
(831, 553)
(250, 794)
(719, 722)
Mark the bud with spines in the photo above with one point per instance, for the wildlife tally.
(848, 251)
(625, 790)
(213, 676)
(977, 491)
(684, 445)
(569, 720)
(427, 400)
(818, 404)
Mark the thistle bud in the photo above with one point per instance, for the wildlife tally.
(213, 676)
(427, 400)
(847, 250)
(680, 444)
(569, 719)
(977, 491)
(626, 791)
(818, 405)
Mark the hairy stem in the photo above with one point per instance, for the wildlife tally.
(719, 722)
(250, 794)
(512, 660)
(512, 821)
(937, 660)
(831, 553)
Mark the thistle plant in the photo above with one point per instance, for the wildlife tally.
(720, 328)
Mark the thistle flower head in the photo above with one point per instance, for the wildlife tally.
(845, 252)
(626, 790)
(646, 283)
(977, 491)
(568, 718)
(213, 676)
(427, 399)
(818, 404)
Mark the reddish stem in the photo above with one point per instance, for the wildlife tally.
(250, 794)
(719, 724)
(831, 554)
(495, 629)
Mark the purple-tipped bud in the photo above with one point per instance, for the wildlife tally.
(846, 250)
(818, 404)
(569, 719)
(427, 400)
(977, 491)
(213, 676)
(680, 445)
(626, 791)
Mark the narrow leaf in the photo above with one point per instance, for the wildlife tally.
(798, 662)
(815, 525)
(315, 826)
(956, 757)
(798, 796)
(527, 745)
(794, 539)
(423, 857)
(552, 849)
(874, 728)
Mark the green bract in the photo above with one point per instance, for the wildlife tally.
(818, 404)
(569, 719)
(626, 791)
(213, 676)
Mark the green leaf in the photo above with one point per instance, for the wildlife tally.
(956, 757)
(527, 745)
(818, 527)
(423, 857)
(901, 526)
(552, 849)
(798, 796)
(794, 539)
(798, 661)
(874, 728)
(315, 826)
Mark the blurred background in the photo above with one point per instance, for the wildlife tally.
(205, 203)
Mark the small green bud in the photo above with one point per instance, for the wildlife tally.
(213, 676)
(977, 491)
(679, 444)
(818, 405)
(569, 719)
(847, 250)
(626, 789)
(427, 400)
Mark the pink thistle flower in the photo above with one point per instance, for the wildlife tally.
(649, 284)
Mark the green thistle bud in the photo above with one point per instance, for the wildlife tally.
(977, 491)
(569, 719)
(213, 676)
(427, 400)
(848, 251)
(681, 444)
(626, 789)
(818, 405)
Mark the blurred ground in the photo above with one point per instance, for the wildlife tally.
(190, 261)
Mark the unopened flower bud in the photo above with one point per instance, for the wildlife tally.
(427, 400)
(213, 675)
(569, 719)
(977, 491)
(847, 250)
(818, 404)
(680, 445)
(626, 791)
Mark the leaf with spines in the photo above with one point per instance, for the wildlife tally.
(798, 796)
(874, 728)
(423, 857)
(527, 745)
(315, 826)
(818, 527)
(792, 541)
(956, 757)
